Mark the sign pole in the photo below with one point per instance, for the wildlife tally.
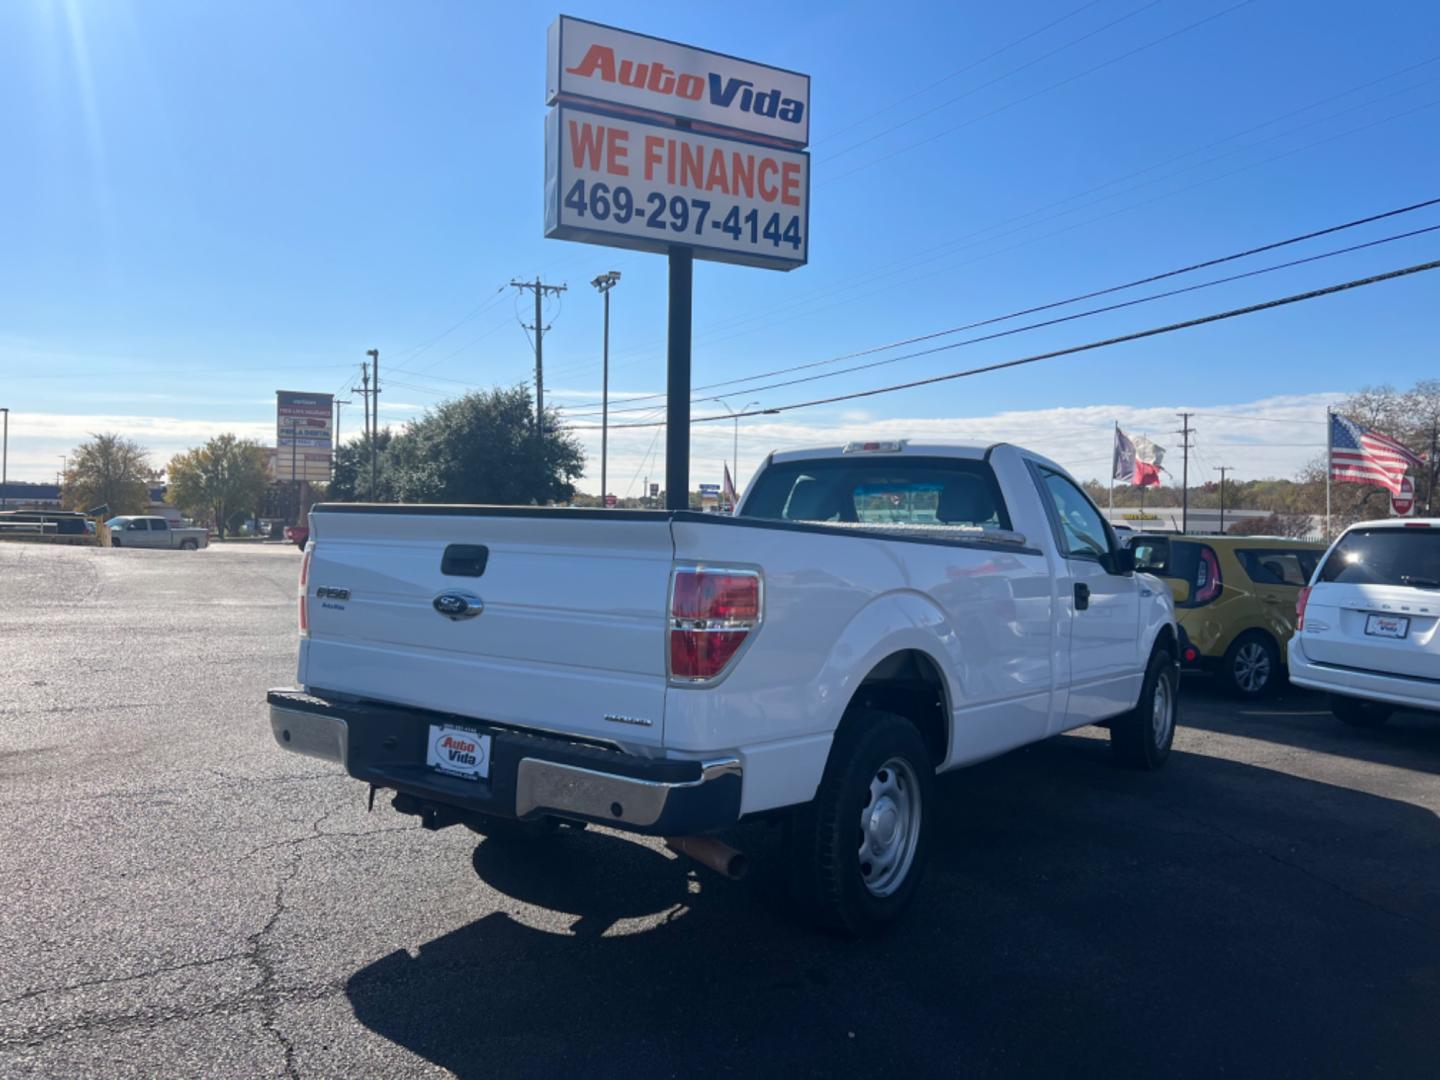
(677, 385)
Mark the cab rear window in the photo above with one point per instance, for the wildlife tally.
(880, 491)
(1400, 556)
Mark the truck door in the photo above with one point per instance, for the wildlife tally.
(159, 535)
(1104, 608)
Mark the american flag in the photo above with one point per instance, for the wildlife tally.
(1361, 456)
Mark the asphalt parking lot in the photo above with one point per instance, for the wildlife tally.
(180, 898)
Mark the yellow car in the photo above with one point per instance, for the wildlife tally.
(1234, 599)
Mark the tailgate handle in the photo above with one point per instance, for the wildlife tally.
(464, 560)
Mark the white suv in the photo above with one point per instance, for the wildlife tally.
(1369, 626)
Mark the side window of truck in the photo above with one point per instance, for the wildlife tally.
(1082, 529)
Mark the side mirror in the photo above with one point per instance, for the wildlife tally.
(1121, 561)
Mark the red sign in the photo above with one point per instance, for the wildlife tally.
(1402, 502)
(609, 500)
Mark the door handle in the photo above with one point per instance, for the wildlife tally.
(1082, 596)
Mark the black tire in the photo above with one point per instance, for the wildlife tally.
(189, 545)
(1357, 713)
(115, 541)
(828, 876)
(1251, 667)
(1138, 738)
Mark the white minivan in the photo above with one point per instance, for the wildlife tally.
(1369, 626)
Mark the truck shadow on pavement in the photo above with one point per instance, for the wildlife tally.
(1078, 920)
(1301, 718)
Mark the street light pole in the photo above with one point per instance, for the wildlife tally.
(1222, 470)
(5, 462)
(605, 282)
(735, 439)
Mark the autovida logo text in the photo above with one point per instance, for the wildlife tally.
(600, 62)
(459, 751)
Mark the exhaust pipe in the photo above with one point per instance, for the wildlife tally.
(716, 854)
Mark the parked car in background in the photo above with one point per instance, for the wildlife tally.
(45, 522)
(155, 532)
(297, 535)
(1370, 622)
(871, 616)
(1235, 600)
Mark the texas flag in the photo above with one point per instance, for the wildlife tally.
(1136, 461)
(727, 493)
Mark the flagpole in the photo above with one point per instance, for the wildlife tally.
(1329, 459)
(1114, 440)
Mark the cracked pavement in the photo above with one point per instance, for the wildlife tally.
(181, 898)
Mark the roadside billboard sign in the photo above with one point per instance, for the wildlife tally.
(303, 431)
(629, 71)
(649, 187)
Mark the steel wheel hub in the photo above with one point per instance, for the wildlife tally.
(889, 827)
(1162, 716)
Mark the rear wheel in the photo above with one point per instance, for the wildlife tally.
(1252, 665)
(189, 545)
(858, 851)
(1357, 713)
(1141, 738)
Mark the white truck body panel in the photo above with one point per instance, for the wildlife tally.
(574, 634)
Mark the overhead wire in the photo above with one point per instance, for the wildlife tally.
(937, 252)
(1169, 328)
(1079, 297)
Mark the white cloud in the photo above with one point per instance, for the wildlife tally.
(1270, 437)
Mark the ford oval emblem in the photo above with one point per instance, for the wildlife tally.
(454, 605)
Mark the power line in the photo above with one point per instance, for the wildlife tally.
(906, 266)
(1087, 347)
(956, 73)
(991, 82)
(1275, 245)
(1045, 90)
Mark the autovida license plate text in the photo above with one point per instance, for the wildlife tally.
(458, 751)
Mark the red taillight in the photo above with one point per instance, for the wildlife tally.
(712, 612)
(1300, 602)
(1191, 654)
(304, 583)
(1208, 581)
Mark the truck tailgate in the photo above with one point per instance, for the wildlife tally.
(571, 632)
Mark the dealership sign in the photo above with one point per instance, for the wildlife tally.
(647, 186)
(612, 67)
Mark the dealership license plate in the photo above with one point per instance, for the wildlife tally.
(458, 751)
(1392, 626)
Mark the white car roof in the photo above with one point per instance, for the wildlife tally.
(1397, 523)
(964, 451)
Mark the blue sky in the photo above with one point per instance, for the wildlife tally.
(204, 203)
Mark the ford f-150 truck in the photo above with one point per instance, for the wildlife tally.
(870, 616)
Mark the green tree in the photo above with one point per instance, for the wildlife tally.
(108, 470)
(480, 448)
(214, 482)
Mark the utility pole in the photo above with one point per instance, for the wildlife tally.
(540, 289)
(1434, 463)
(364, 391)
(605, 282)
(5, 462)
(374, 355)
(1185, 432)
(1222, 470)
(335, 442)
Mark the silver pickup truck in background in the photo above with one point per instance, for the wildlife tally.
(155, 532)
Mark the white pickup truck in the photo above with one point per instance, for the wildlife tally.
(870, 616)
